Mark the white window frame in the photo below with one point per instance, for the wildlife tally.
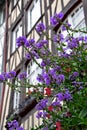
(32, 19)
(81, 22)
(16, 97)
(15, 36)
(1, 17)
(32, 71)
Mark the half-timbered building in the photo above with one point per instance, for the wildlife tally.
(22, 18)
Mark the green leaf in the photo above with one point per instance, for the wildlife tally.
(83, 113)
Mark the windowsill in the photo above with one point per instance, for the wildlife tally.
(25, 107)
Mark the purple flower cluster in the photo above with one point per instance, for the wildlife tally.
(30, 43)
(41, 43)
(66, 26)
(45, 128)
(58, 38)
(22, 75)
(56, 19)
(45, 62)
(73, 76)
(21, 41)
(28, 56)
(7, 75)
(41, 114)
(2, 78)
(51, 77)
(11, 75)
(40, 28)
(62, 96)
(34, 54)
(72, 42)
(14, 125)
(42, 104)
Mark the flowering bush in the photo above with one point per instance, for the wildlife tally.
(62, 103)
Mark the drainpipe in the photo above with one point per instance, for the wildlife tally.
(5, 49)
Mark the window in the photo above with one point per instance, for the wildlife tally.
(76, 19)
(16, 97)
(15, 1)
(2, 16)
(33, 14)
(16, 33)
(33, 70)
(77, 16)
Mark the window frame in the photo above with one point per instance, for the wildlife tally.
(14, 36)
(31, 24)
(33, 73)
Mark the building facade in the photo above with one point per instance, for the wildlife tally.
(2, 34)
(22, 18)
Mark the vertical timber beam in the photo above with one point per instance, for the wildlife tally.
(85, 10)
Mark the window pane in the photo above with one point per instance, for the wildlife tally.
(77, 16)
(16, 33)
(16, 97)
(33, 14)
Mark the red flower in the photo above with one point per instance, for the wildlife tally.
(50, 108)
(58, 125)
(68, 70)
(47, 91)
(48, 115)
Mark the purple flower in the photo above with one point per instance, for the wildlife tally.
(41, 43)
(15, 124)
(21, 41)
(39, 115)
(9, 124)
(60, 78)
(30, 43)
(45, 128)
(56, 18)
(75, 74)
(40, 28)
(85, 39)
(40, 78)
(80, 88)
(34, 54)
(72, 45)
(22, 75)
(43, 63)
(45, 114)
(11, 128)
(67, 96)
(58, 38)
(11, 75)
(65, 27)
(2, 78)
(72, 42)
(42, 104)
(28, 56)
(46, 78)
(56, 103)
(60, 96)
